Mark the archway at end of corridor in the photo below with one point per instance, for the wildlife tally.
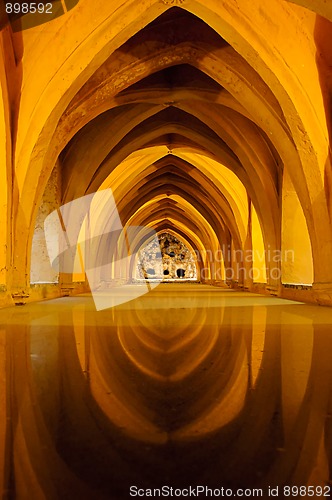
(172, 260)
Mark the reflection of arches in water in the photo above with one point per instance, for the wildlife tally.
(179, 351)
(151, 375)
(170, 352)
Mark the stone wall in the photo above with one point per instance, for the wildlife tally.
(177, 261)
(41, 269)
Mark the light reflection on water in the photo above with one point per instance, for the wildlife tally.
(187, 385)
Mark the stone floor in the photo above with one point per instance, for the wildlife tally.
(186, 385)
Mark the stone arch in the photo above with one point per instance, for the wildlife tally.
(282, 82)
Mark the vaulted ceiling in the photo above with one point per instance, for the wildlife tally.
(190, 111)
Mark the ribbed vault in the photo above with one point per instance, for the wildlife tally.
(201, 117)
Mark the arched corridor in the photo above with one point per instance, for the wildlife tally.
(166, 246)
